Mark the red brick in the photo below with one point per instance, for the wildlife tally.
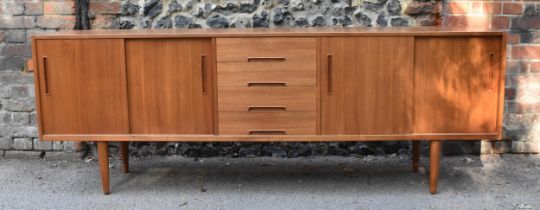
(56, 21)
(467, 21)
(525, 81)
(492, 8)
(105, 7)
(513, 39)
(516, 66)
(476, 7)
(500, 22)
(526, 52)
(459, 7)
(59, 8)
(535, 67)
(512, 8)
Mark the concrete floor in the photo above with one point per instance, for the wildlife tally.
(466, 182)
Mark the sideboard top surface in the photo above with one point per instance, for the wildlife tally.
(258, 32)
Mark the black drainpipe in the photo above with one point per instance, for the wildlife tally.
(82, 22)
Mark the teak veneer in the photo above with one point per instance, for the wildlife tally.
(287, 84)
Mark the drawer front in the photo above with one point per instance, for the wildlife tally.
(261, 60)
(267, 49)
(266, 99)
(267, 123)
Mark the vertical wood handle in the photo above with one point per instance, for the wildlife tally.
(45, 76)
(491, 55)
(329, 69)
(203, 73)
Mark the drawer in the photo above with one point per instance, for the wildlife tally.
(267, 123)
(257, 60)
(266, 50)
(243, 74)
(267, 99)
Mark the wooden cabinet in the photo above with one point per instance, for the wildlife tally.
(170, 86)
(318, 84)
(81, 86)
(457, 84)
(367, 85)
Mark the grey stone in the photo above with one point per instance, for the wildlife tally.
(16, 36)
(302, 22)
(280, 14)
(381, 20)
(57, 145)
(12, 77)
(249, 7)
(218, 21)
(181, 21)
(394, 7)
(22, 143)
(399, 22)
(22, 91)
(318, 21)
(227, 9)
(130, 8)
(261, 21)
(174, 6)
(5, 92)
(164, 22)
(297, 5)
(363, 19)
(6, 143)
(18, 130)
(42, 145)
(374, 6)
(125, 24)
(18, 105)
(152, 8)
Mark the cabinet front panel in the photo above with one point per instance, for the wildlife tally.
(456, 84)
(170, 84)
(367, 85)
(82, 86)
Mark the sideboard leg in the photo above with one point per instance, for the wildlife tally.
(103, 153)
(434, 164)
(415, 155)
(124, 152)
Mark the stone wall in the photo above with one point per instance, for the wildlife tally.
(19, 19)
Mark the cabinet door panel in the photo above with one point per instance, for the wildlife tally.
(370, 80)
(165, 85)
(456, 84)
(82, 86)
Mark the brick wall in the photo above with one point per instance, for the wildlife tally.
(20, 18)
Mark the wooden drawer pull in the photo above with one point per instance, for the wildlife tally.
(253, 59)
(273, 84)
(267, 109)
(267, 132)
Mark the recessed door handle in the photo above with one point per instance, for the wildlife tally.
(278, 59)
(203, 73)
(267, 132)
(273, 84)
(329, 69)
(267, 109)
(45, 76)
(491, 55)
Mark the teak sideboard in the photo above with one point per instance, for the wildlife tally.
(308, 84)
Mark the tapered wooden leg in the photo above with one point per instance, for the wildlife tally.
(434, 164)
(103, 153)
(124, 153)
(415, 155)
